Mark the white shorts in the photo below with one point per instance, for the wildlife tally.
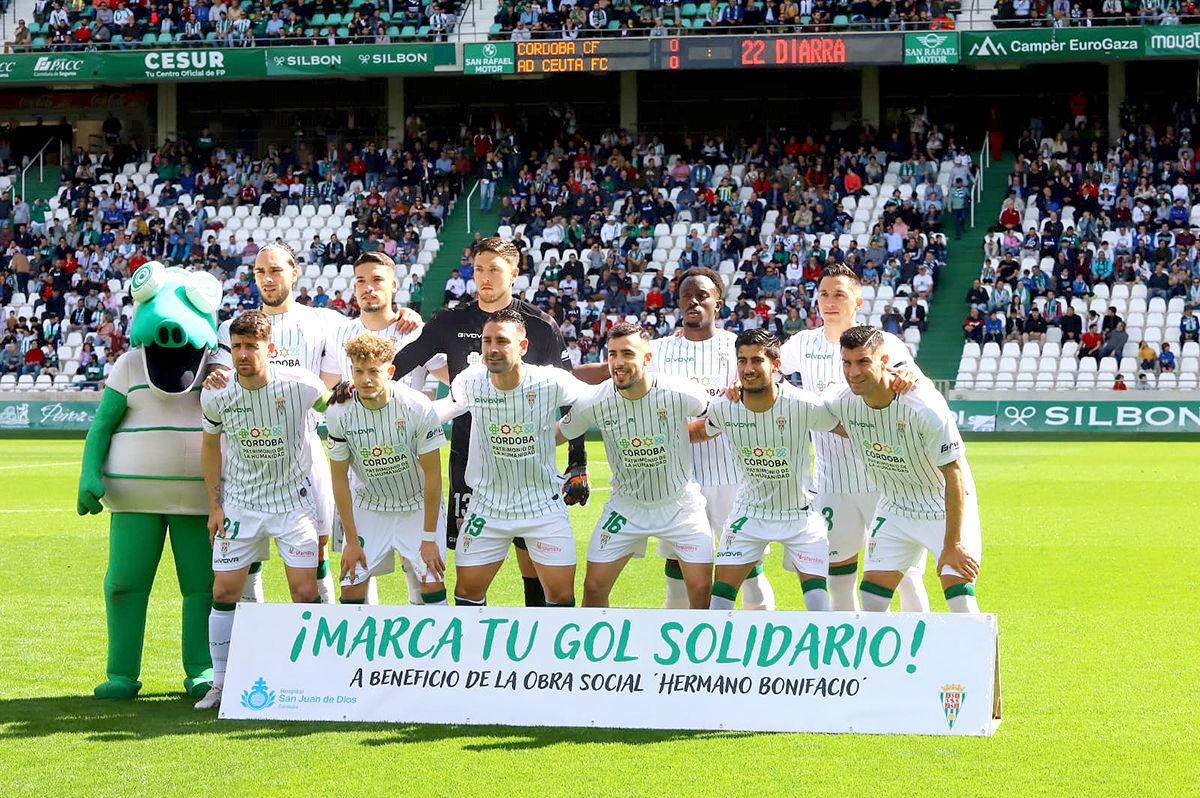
(383, 534)
(805, 545)
(548, 538)
(718, 503)
(247, 538)
(623, 529)
(898, 542)
(847, 518)
(321, 482)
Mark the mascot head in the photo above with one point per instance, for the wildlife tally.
(175, 323)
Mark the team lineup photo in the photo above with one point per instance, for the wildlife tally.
(456, 398)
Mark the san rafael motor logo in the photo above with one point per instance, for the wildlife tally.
(258, 697)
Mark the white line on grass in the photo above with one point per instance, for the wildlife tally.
(38, 465)
(40, 510)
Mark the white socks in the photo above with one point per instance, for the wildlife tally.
(913, 596)
(816, 595)
(325, 588)
(372, 591)
(220, 630)
(414, 587)
(961, 598)
(757, 593)
(252, 588)
(843, 591)
(677, 595)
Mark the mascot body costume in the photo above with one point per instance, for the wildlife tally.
(142, 457)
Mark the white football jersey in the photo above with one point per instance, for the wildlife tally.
(383, 445)
(646, 439)
(712, 365)
(267, 459)
(301, 336)
(336, 362)
(511, 464)
(772, 451)
(838, 467)
(904, 446)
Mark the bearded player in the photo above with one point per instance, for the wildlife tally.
(910, 442)
(456, 333)
(301, 335)
(846, 491)
(768, 430)
(375, 287)
(705, 355)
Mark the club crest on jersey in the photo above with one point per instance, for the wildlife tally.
(280, 403)
(900, 425)
(662, 415)
(952, 696)
(531, 397)
(781, 422)
(399, 425)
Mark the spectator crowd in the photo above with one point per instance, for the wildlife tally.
(65, 263)
(1096, 246)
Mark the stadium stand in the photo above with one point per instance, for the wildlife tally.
(520, 21)
(66, 262)
(58, 25)
(1093, 267)
(1076, 13)
(607, 227)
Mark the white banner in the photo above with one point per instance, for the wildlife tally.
(647, 669)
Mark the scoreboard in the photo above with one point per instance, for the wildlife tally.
(567, 56)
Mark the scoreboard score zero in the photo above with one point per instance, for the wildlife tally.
(703, 52)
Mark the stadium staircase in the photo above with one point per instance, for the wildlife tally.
(941, 345)
(455, 237)
(476, 20)
(44, 187)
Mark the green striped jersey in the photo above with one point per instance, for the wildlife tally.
(771, 450)
(904, 445)
(383, 445)
(511, 463)
(266, 454)
(646, 439)
(712, 365)
(838, 467)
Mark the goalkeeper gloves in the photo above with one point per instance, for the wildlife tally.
(576, 489)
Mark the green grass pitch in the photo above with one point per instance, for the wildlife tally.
(1091, 562)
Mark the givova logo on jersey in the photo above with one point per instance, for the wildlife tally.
(262, 443)
(884, 456)
(383, 460)
(765, 462)
(512, 440)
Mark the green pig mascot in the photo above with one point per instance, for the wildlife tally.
(142, 457)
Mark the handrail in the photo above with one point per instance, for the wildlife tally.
(468, 201)
(40, 159)
(985, 160)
